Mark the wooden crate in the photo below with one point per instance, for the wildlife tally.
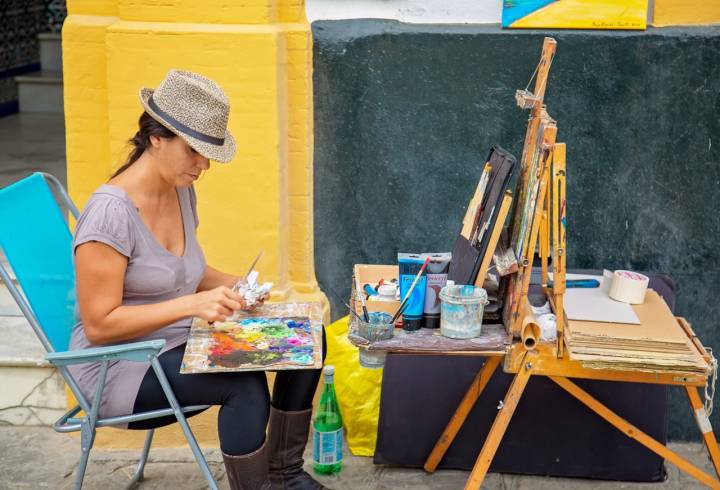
(371, 274)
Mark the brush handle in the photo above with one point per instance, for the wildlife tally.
(351, 310)
(364, 307)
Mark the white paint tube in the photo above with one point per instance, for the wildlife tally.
(437, 272)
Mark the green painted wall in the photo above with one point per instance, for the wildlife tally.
(405, 115)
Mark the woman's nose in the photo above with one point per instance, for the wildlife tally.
(203, 163)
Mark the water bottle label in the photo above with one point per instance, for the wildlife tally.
(327, 447)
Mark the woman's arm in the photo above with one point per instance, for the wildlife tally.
(100, 272)
(214, 278)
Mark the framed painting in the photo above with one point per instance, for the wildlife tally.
(575, 14)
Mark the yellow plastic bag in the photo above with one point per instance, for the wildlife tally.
(357, 389)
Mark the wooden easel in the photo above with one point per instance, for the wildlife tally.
(552, 360)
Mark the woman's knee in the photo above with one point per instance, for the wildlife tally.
(248, 387)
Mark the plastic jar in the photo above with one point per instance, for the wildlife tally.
(461, 311)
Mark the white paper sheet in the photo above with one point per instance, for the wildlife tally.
(594, 305)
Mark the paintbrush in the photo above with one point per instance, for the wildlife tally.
(352, 310)
(364, 307)
(254, 262)
(405, 302)
(236, 287)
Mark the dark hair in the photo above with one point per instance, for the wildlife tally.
(147, 126)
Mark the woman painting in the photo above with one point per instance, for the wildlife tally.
(142, 275)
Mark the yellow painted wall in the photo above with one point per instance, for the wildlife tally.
(260, 52)
(686, 12)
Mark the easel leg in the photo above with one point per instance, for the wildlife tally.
(705, 427)
(458, 418)
(633, 432)
(492, 442)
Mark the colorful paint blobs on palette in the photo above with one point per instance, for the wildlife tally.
(258, 341)
(261, 341)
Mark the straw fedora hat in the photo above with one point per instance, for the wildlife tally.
(196, 109)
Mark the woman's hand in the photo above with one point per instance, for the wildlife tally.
(216, 304)
(257, 304)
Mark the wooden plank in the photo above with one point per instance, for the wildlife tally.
(507, 409)
(634, 433)
(546, 59)
(494, 237)
(549, 365)
(458, 418)
(705, 428)
(559, 251)
(693, 338)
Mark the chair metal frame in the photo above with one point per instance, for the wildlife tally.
(88, 422)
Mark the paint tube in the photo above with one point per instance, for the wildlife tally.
(409, 265)
(437, 272)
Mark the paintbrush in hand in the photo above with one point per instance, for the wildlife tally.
(236, 287)
(254, 263)
(406, 301)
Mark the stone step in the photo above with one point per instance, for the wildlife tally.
(41, 91)
(50, 51)
(33, 392)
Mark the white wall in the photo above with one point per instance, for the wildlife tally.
(417, 11)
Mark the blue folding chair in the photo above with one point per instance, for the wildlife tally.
(37, 243)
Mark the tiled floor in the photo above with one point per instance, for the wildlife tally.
(31, 142)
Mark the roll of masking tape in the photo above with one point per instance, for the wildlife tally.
(628, 287)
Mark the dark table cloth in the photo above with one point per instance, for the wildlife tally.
(551, 433)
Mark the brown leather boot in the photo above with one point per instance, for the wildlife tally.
(248, 471)
(286, 440)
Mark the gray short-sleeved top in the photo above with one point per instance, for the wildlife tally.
(153, 275)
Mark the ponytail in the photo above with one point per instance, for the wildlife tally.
(147, 127)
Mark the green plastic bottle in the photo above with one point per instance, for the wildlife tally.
(328, 430)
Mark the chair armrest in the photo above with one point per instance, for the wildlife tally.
(136, 351)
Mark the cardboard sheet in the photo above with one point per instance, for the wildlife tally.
(657, 324)
(594, 305)
(657, 344)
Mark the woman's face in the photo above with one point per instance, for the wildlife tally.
(179, 163)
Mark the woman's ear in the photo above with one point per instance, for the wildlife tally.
(155, 141)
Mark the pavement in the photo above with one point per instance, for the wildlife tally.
(32, 142)
(39, 458)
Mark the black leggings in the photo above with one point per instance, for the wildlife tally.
(244, 398)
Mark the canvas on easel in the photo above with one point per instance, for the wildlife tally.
(475, 240)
